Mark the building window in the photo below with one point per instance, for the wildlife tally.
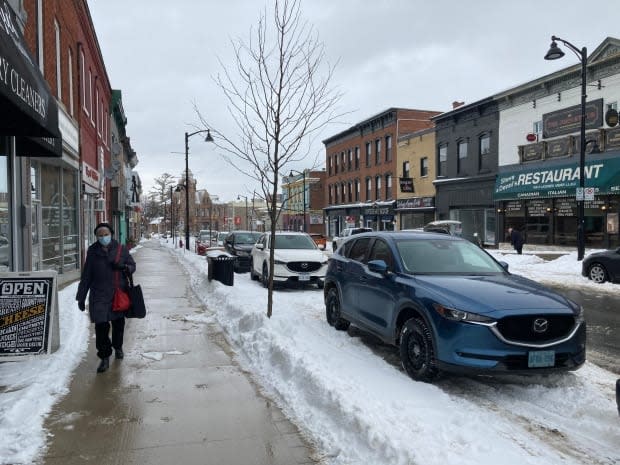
(350, 159)
(329, 165)
(40, 35)
(388, 186)
(335, 163)
(405, 169)
(368, 154)
(442, 166)
(357, 158)
(388, 148)
(90, 95)
(97, 114)
(330, 194)
(350, 187)
(378, 152)
(70, 74)
(368, 189)
(538, 128)
(485, 150)
(357, 190)
(378, 188)
(83, 82)
(424, 166)
(343, 189)
(58, 61)
(462, 155)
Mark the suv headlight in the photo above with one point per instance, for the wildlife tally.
(279, 262)
(453, 314)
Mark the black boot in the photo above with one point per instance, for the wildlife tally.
(118, 353)
(104, 365)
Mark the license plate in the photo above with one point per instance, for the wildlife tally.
(304, 277)
(541, 358)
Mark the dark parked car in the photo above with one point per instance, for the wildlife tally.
(602, 266)
(449, 306)
(239, 244)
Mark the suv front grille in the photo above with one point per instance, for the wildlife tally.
(303, 267)
(529, 328)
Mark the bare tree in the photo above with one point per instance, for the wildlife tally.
(159, 193)
(279, 97)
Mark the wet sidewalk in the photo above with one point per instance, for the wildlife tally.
(176, 398)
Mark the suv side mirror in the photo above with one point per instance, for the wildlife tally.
(259, 246)
(378, 266)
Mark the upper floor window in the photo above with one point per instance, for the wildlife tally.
(368, 154)
(424, 166)
(335, 163)
(388, 186)
(343, 161)
(378, 152)
(388, 148)
(90, 95)
(537, 127)
(357, 190)
(406, 169)
(350, 159)
(58, 61)
(330, 195)
(484, 152)
(70, 74)
(442, 166)
(357, 158)
(368, 189)
(378, 188)
(350, 191)
(461, 149)
(343, 189)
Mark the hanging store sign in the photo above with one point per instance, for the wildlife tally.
(406, 184)
(559, 180)
(28, 106)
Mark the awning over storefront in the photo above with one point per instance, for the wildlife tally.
(39, 147)
(559, 180)
(26, 102)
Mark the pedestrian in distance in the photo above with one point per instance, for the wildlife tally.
(516, 239)
(101, 274)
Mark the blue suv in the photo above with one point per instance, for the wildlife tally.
(450, 306)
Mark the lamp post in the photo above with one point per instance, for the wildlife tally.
(208, 138)
(303, 173)
(553, 54)
(246, 209)
(172, 218)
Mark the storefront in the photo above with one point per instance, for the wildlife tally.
(415, 212)
(380, 216)
(542, 202)
(28, 127)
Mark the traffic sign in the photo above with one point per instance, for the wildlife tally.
(579, 193)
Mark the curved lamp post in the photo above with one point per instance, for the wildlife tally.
(553, 54)
(303, 173)
(208, 138)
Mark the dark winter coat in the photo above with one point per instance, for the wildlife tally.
(516, 239)
(98, 278)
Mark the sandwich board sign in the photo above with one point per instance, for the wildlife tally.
(28, 314)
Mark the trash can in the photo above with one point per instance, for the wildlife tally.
(221, 267)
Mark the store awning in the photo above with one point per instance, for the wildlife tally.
(560, 180)
(38, 147)
(27, 105)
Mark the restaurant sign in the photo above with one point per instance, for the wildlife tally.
(568, 120)
(559, 180)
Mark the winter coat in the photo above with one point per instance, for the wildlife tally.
(516, 238)
(98, 277)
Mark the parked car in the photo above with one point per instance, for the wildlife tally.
(239, 244)
(449, 306)
(218, 240)
(602, 266)
(452, 227)
(320, 240)
(345, 234)
(297, 259)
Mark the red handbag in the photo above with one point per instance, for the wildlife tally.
(120, 301)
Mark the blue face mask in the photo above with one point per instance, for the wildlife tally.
(104, 240)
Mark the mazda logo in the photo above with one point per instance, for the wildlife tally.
(304, 265)
(540, 325)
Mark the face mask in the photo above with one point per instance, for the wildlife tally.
(104, 240)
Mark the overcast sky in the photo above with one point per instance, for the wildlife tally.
(163, 55)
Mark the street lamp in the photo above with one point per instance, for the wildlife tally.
(187, 136)
(553, 54)
(246, 209)
(179, 188)
(303, 173)
(172, 218)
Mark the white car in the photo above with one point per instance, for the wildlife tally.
(298, 260)
(345, 234)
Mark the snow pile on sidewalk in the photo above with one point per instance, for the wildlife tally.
(360, 408)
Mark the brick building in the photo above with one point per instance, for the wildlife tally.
(361, 168)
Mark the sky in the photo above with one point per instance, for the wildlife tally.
(355, 404)
(165, 55)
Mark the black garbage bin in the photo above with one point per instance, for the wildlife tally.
(221, 267)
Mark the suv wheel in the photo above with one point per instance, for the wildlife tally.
(332, 311)
(253, 276)
(416, 350)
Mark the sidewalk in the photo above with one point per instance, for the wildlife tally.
(176, 398)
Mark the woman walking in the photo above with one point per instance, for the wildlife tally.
(102, 274)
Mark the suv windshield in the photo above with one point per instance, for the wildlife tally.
(294, 241)
(445, 256)
(245, 238)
